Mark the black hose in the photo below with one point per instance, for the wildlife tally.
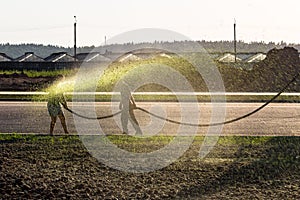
(191, 124)
(95, 118)
(229, 121)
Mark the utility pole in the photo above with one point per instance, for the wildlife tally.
(105, 40)
(75, 23)
(234, 42)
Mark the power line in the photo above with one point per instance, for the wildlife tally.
(34, 29)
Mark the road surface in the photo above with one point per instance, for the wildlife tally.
(275, 119)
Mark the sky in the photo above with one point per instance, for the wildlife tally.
(51, 22)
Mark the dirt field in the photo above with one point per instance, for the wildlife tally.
(21, 82)
(44, 167)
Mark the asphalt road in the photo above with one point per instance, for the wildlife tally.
(275, 119)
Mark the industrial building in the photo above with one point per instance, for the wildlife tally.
(63, 60)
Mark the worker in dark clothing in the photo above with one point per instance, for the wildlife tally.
(54, 109)
(127, 105)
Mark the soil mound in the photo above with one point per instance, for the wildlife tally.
(21, 82)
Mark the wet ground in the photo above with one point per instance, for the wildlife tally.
(275, 119)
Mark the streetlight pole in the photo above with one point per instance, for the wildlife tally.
(234, 42)
(75, 23)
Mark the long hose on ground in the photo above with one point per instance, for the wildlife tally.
(191, 124)
(102, 117)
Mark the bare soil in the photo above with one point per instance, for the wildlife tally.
(21, 82)
(44, 167)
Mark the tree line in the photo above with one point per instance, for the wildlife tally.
(16, 50)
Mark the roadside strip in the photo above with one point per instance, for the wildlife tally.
(155, 96)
